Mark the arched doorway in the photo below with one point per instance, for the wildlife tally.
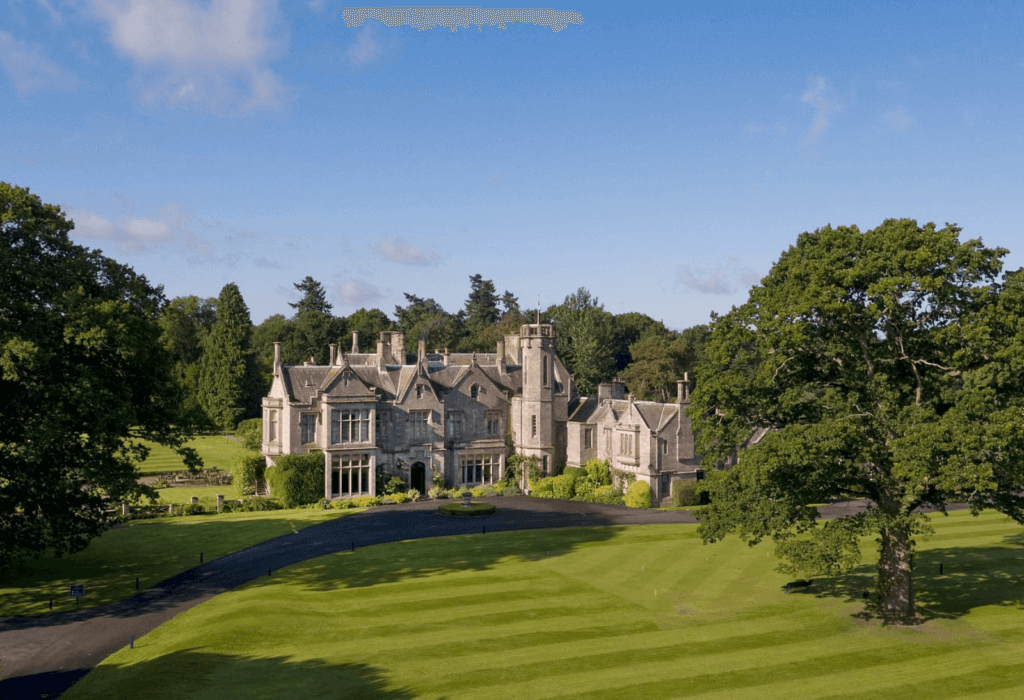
(418, 477)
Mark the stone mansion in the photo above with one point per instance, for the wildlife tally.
(459, 416)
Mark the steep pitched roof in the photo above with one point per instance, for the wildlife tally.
(585, 410)
(302, 381)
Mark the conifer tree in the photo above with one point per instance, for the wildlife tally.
(229, 378)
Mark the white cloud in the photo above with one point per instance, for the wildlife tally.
(818, 95)
(30, 69)
(357, 292)
(133, 235)
(210, 57)
(398, 251)
(724, 279)
(898, 120)
(365, 48)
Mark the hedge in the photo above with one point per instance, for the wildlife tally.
(639, 495)
(248, 466)
(460, 511)
(685, 493)
(297, 480)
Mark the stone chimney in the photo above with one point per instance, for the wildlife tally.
(500, 355)
(398, 347)
(277, 359)
(421, 351)
(445, 359)
(683, 389)
(355, 342)
(334, 353)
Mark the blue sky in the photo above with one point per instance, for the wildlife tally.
(661, 155)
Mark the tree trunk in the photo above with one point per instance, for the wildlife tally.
(895, 586)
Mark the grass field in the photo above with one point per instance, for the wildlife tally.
(153, 550)
(216, 451)
(640, 612)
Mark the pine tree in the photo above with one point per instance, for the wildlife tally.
(229, 379)
(314, 298)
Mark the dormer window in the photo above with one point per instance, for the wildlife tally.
(419, 391)
(474, 391)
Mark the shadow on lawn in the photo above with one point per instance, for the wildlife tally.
(200, 674)
(972, 577)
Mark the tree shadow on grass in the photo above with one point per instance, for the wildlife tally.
(972, 577)
(421, 559)
(197, 673)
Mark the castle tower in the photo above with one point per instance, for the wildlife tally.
(536, 434)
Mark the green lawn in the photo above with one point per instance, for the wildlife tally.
(153, 550)
(216, 451)
(639, 612)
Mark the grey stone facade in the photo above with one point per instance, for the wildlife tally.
(458, 416)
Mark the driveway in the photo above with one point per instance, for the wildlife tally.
(48, 654)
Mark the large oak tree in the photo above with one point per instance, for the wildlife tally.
(878, 363)
(83, 378)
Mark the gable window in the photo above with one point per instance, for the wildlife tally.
(454, 422)
(382, 426)
(493, 423)
(350, 475)
(419, 425)
(419, 391)
(307, 425)
(350, 425)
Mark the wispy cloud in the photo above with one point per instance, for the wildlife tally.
(212, 58)
(723, 279)
(819, 96)
(365, 48)
(30, 69)
(898, 119)
(358, 292)
(264, 262)
(133, 235)
(397, 250)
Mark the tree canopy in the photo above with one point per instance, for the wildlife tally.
(229, 376)
(875, 365)
(583, 337)
(83, 378)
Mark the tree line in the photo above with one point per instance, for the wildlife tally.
(223, 363)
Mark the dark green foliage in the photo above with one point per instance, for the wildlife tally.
(482, 305)
(192, 509)
(392, 485)
(543, 488)
(882, 363)
(457, 510)
(638, 495)
(83, 377)
(575, 472)
(248, 467)
(275, 329)
(229, 379)
(583, 336)
(185, 322)
(425, 318)
(370, 323)
(297, 480)
(685, 493)
(251, 505)
(250, 432)
(608, 495)
(314, 297)
(627, 329)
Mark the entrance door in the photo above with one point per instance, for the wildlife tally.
(418, 476)
(666, 484)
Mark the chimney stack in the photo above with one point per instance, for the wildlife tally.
(334, 353)
(277, 359)
(355, 342)
(398, 347)
(421, 351)
(500, 358)
(683, 388)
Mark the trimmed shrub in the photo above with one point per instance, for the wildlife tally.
(685, 493)
(458, 510)
(564, 486)
(478, 492)
(342, 504)
(639, 495)
(436, 492)
(599, 471)
(192, 509)
(297, 480)
(577, 472)
(391, 485)
(543, 488)
(608, 495)
(248, 466)
(584, 489)
(399, 498)
(414, 495)
(365, 501)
